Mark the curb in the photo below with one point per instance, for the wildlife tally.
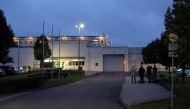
(12, 96)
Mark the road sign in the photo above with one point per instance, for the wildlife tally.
(173, 37)
(172, 47)
(172, 50)
(172, 54)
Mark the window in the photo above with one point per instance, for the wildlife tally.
(96, 64)
(82, 63)
(101, 41)
(76, 63)
(70, 63)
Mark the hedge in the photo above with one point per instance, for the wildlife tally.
(19, 82)
(32, 80)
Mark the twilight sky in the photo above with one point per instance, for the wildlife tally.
(126, 22)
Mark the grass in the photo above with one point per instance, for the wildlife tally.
(181, 101)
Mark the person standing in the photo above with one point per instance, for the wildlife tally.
(149, 73)
(133, 75)
(155, 70)
(141, 73)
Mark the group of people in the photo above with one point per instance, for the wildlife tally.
(151, 74)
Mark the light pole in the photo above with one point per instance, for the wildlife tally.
(59, 76)
(43, 49)
(52, 56)
(18, 56)
(79, 27)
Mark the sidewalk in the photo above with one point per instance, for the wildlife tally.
(133, 94)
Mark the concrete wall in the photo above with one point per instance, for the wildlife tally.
(135, 57)
(70, 49)
(26, 56)
(96, 56)
(92, 55)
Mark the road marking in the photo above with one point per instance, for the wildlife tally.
(13, 96)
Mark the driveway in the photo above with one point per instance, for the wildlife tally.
(100, 91)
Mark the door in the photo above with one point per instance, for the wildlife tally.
(113, 63)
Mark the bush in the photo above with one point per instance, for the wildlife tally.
(33, 79)
(20, 82)
(63, 73)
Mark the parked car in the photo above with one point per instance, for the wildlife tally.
(19, 70)
(179, 72)
(22, 69)
(2, 73)
(9, 70)
(187, 72)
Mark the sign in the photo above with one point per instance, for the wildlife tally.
(172, 47)
(173, 38)
(172, 50)
(172, 54)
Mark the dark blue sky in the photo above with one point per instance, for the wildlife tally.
(126, 22)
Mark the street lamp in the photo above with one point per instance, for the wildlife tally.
(79, 27)
(59, 76)
(18, 45)
(52, 56)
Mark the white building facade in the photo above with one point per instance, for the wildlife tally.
(96, 54)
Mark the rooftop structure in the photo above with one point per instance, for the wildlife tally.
(94, 41)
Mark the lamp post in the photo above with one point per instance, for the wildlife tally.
(43, 49)
(79, 27)
(52, 56)
(59, 76)
(18, 55)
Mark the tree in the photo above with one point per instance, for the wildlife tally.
(38, 49)
(177, 22)
(151, 53)
(6, 37)
(168, 23)
(157, 50)
(181, 27)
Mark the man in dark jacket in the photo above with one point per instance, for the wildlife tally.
(141, 73)
(155, 70)
(149, 73)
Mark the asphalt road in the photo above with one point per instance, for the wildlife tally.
(100, 91)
